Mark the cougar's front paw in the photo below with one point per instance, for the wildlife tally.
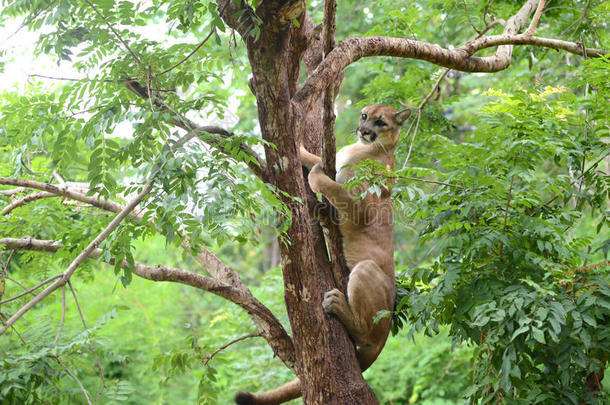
(333, 299)
(315, 175)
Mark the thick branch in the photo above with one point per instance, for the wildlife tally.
(271, 330)
(353, 49)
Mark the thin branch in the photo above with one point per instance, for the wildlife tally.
(79, 259)
(256, 164)
(221, 348)
(582, 175)
(187, 56)
(125, 44)
(26, 22)
(8, 263)
(82, 388)
(71, 79)
(420, 108)
(535, 19)
(32, 289)
(63, 313)
(97, 359)
(3, 318)
(12, 191)
(25, 200)
(16, 282)
(431, 181)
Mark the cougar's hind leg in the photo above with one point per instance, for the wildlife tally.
(369, 291)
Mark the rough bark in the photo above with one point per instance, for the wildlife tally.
(325, 356)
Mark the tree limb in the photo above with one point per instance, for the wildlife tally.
(65, 191)
(353, 49)
(226, 285)
(25, 200)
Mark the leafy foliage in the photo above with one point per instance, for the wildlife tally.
(501, 211)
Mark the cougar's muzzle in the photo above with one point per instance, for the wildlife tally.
(366, 135)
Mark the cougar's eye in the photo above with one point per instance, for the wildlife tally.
(364, 116)
(380, 123)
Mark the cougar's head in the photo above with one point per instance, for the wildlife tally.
(381, 124)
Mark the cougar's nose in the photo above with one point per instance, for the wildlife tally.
(364, 131)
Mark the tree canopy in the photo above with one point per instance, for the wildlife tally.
(168, 151)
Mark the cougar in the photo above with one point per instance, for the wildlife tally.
(366, 225)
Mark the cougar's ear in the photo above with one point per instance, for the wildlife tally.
(401, 116)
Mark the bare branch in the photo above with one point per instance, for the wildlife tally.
(221, 348)
(25, 200)
(65, 191)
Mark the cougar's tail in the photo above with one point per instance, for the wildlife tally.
(286, 392)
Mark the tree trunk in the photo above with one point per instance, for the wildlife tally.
(325, 357)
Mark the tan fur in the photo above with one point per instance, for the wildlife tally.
(368, 239)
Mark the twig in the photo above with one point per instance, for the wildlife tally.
(82, 388)
(3, 318)
(115, 32)
(16, 282)
(97, 359)
(65, 276)
(26, 22)
(583, 174)
(187, 56)
(586, 124)
(30, 290)
(419, 113)
(468, 17)
(239, 339)
(431, 181)
(57, 78)
(508, 198)
(8, 263)
(63, 313)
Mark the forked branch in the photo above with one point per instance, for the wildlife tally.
(460, 58)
